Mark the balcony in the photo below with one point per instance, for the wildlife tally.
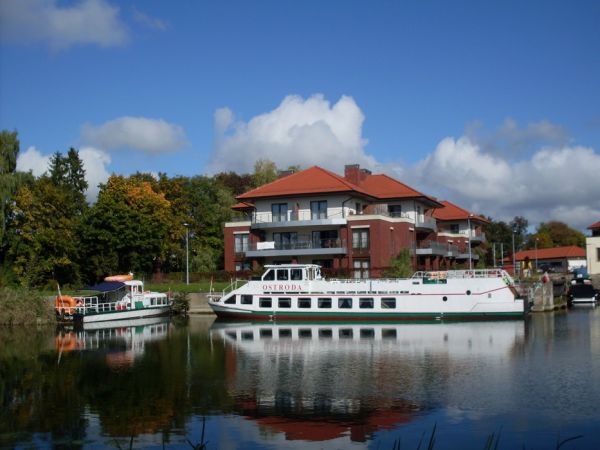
(294, 219)
(437, 249)
(425, 223)
(476, 236)
(298, 248)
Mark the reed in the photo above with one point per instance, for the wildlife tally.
(20, 306)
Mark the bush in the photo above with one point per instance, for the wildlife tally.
(181, 303)
(25, 307)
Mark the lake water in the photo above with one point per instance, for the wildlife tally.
(158, 384)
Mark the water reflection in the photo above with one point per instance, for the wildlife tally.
(324, 381)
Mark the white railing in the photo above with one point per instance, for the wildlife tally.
(475, 273)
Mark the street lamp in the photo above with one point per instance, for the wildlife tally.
(187, 253)
(513, 250)
(469, 225)
(536, 256)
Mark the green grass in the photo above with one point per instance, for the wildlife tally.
(201, 286)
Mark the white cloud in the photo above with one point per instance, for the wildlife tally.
(150, 22)
(140, 133)
(555, 183)
(32, 160)
(299, 131)
(94, 161)
(85, 22)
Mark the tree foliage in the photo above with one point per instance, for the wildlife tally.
(555, 234)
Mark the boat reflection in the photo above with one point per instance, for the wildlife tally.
(327, 381)
(122, 341)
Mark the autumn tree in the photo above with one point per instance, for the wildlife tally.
(265, 171)
(555, 234)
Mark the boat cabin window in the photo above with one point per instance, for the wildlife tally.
(231, 300)
(283, 274)
(365, 303)
(367, 333)
(246, 300)
(324, 302)
(325, 333)
(247, 336)
(285, 302)
(388, 303)
(264, 302)
(388, 333)
(345, 333)
(311, 273)
(345, 303)
(266, 333)
(269, 275)
(285, 333)
(305, 333)
(296, 274)
(304, 302)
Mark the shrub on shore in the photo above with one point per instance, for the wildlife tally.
(19, 306)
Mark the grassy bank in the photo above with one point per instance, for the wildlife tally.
(20, 306)
(200, 286)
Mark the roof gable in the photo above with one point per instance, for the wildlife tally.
(314, 180)
(594, 226)
(450, 211)
(571, 251)
(385, 187)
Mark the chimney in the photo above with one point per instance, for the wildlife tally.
(354, 174)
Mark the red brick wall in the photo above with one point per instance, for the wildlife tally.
(229, 246)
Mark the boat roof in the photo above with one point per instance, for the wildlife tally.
(105, 286)
(290, 266)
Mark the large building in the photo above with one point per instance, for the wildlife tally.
(592, 249)
(357, 222)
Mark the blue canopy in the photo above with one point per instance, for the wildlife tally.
(106, 286)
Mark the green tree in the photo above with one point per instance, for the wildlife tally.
(265, 171)
(67, 173)
(400, 266)
(500, 232)
(127, 229)
(555, 234)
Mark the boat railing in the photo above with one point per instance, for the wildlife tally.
(460, 274)
(235, 284)
(91, 305)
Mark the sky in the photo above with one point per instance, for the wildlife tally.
(492, 105)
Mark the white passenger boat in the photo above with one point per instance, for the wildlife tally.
(298, 292)
(119, 297)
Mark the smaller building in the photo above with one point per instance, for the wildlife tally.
(592, 249)
(557, 259)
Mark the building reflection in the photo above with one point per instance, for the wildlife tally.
(317, 382)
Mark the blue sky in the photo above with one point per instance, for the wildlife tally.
(492, 105)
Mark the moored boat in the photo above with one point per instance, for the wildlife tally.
(119, 297)
(298, 292)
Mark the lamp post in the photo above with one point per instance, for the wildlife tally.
(536, 258)
(513, 251)
(470, 258)
(187, 253)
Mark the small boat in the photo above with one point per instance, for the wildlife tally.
(298, 292)
(119, 297)
(582, 292)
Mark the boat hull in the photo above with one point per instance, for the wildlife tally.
(121, 315)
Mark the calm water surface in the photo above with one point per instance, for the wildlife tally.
(158, 383)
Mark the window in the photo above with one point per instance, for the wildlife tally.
(285, 302)
(229, 301)
(360, 238)
(279, 212)
(344, 303)
(388, 333)
(395, 210)
(454, 228)
(283, 274)
(598, 254)
(365, 303)
(285, 241)
(367, 333)
(241, 243)
(361, 268)
(324, 303)
(246, 300)
(345, 333)
(285, 333)
(266, 333)
(325, 333)
(240, 266)
(388, 303)
(304, 303)
(296, 274)
(318, 210)
(270, 275)
(325, 239)
(304, 333)
(247, 336)
(264, 302)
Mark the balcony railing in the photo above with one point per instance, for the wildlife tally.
(438, 248)
(298, 245)
(426, 222)
(265, 218)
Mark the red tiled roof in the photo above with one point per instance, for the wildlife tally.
(243, 205)
(313, 180)
(455, 212)
(571, 251)
(594, 226)
(385, 187)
